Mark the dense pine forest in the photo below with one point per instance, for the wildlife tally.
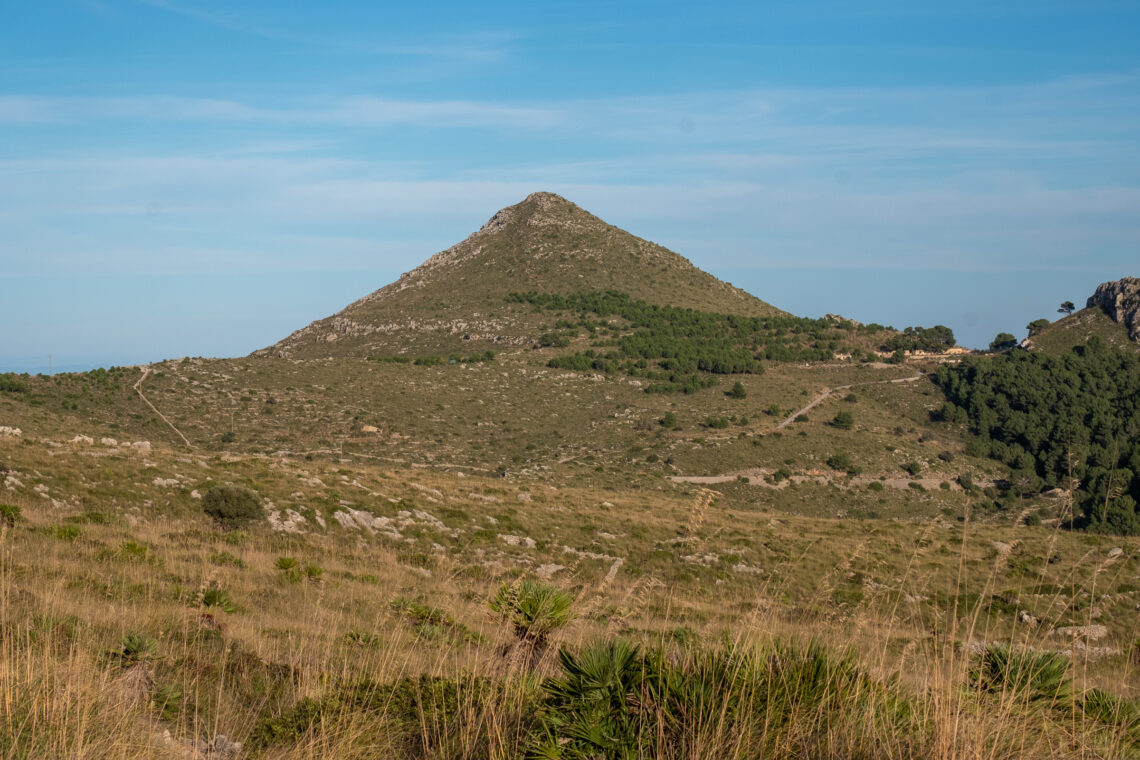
(670, 346)
(1070, 421)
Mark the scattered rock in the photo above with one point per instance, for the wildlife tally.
(218, 748)
(1093, 653)
(1024, 617)
(82, 440)
(142, 447)
(353, 519)
(546, 571)
(195, 494)
(613, 571)
(425, 489)
(1086, 632)
(10, 432)
(108, 442)
(524, 496)
(1002, 547)
(167, 482)
(286, 521)
(1115, 552)
(369, 429)
(510, 540)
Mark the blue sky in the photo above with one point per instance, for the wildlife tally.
(193, 177)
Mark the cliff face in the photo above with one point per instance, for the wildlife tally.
(1121, 301)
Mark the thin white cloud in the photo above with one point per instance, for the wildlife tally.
(1039, 116)
(471, 47)
(355, 111)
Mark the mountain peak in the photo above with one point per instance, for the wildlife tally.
(543, 243)
(544, 206)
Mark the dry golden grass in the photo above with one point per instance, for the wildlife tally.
(911, 599)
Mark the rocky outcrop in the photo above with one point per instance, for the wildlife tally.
(1121, 301)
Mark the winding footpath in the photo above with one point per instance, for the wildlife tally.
(138, 390)
(828, 391)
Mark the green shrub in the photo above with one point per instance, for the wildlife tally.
(166, 700)
(10, 514)
(225, 558)
(1115, 711)
(363, 638)
(133, 649)
(912, 468)
(840, 462)
(10, 383)
(685, 636)
(715, 422)
(63, 532)
(614, 700)
(217, 597)
(134, 551)
(1029, 675)
(669, 421)
(232, 506)
(737, 391)
(432, 622)
(844, 420)
(534, 609)
(875, 485)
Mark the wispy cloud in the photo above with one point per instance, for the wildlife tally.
(355, 111)
(472, 47)
(1036, 116)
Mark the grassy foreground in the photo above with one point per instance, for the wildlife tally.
(133, 627)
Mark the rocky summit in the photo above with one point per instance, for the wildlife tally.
(1120, 300)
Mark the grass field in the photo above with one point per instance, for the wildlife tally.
(127, 614)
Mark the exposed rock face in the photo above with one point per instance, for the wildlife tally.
(1121, 301)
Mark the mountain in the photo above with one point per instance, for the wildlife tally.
(455, 301)
(1112, 313)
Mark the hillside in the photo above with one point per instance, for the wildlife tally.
(454, 301)
(1112, 314)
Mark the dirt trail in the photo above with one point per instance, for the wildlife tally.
(757, 475)
(828, 391)
(161, 416)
